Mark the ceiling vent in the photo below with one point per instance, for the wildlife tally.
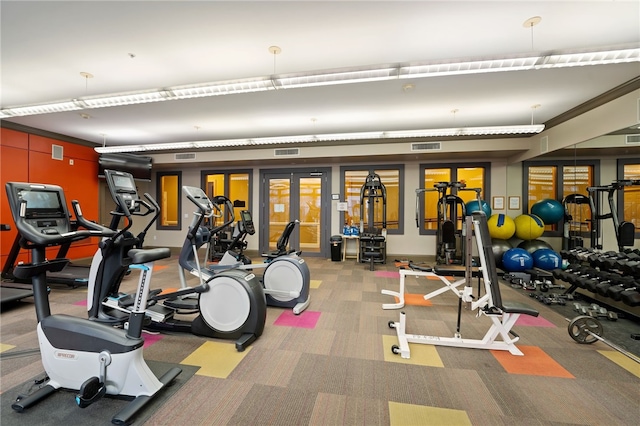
(57, 152)
(185, 156)
(286, 152)
(426, 146)
(544, 144)
(632, 139)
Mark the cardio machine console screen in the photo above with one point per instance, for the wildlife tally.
(122, 183)
(44, 210)
(247, 221)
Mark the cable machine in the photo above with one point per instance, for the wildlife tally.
(572, 226)
(373, 241)
(625, 231)
(451, 208)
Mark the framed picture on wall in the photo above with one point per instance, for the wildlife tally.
(514, 203)
(498, 203)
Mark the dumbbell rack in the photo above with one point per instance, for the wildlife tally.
(611, 279)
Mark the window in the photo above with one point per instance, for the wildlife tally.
(629, 199)
(234, 185)
(170, 200)
(473, 176)
(392, 177)
(556, 180)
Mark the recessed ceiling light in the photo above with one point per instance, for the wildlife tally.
(408, 87)
(85, 115)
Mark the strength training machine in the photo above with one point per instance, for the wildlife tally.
(451, 209)
(91, 358)
(373, 241)
(624, 231)
(503, 315)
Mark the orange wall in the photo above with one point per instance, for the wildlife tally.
(26, 157)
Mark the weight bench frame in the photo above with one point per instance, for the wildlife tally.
(448, 285)
(503, 315)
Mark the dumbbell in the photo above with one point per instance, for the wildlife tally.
(630, 265)
(602, 278)
(561, 274)
(597, 260)
(631, 296)
(580, 277)
(619, 260)
(613, 279)
(615, 291)
(574, 253)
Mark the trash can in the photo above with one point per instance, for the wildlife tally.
(336, 248)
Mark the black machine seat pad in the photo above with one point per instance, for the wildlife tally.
(139, 256)
(456, 270)
(519, 308)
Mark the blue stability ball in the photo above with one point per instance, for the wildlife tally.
(549, 210)
(517, 260)
(546, 259)
(472, 206)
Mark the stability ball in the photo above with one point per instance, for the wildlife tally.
(549, 210)
(472, 206)
(499, 247)
(501, 226)
(517, 260)
(546, 259)
(528, 226)
(533, 245)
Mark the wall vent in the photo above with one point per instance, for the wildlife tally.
(426, 146)
(185, 156)
(544, 144)
(632, 139)
(57, 152)
(286, 152)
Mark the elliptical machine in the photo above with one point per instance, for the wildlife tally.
(94, 359)
(286, 279)
(229, 305)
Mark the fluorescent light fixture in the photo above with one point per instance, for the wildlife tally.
(40, 109)
(465, 131)
(339, 76)
(334, 78)
(590, 58)
(222, 88)
(468, 67)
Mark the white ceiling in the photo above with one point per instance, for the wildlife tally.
(46, 45)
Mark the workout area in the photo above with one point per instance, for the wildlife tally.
(398, 213)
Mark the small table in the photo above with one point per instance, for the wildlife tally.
(345, 239)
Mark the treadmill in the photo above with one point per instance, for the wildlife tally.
(73, 275)
(13, 292)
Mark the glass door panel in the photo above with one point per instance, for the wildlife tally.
(279, 202)
(301, 195)
(310, 194)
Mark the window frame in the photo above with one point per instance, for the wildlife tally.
(620, 198)
(454, 174)
(559, 164)
(159, 176)
(373, 169)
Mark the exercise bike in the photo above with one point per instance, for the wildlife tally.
(229, 305)
(286, 279)
(92, 358)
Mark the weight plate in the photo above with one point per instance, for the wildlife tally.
(583, 328)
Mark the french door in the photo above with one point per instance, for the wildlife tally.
(302, 195)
